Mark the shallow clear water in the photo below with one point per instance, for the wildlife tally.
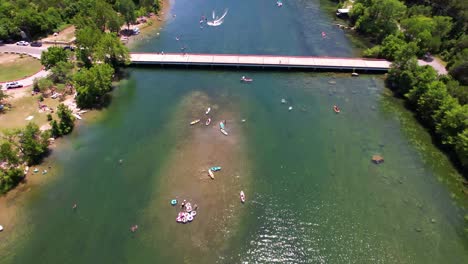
(313, 194)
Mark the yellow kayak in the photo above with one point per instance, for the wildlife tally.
(194, 122)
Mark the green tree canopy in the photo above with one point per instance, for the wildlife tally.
(33, 143)
(62, 72)
(127, 9)
(379, 17)
(111, 50)
(9, 153)
(66, 119)
(92, 84)
(52, 56)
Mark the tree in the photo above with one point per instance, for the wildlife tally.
(127, 9)
(62, 72)
(431, 100)
(461, 147)
(391, 46)
(9, 178)
(42, 84)
(103, 13)
(380, 17)
(92, 84)
(425, 77)
(33, 143)
(426, 31)
(453, 120)
(66, 119)
(3, 95)
(52, 56)
(9, 154)
(54, 129)
(111, 50)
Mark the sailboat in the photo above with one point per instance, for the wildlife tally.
(217, 21)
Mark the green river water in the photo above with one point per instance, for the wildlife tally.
(313, 195)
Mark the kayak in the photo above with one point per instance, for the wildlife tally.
(208, 121)
(194, 122)
(211, 174)
(336, 109)
(242, 196)
(244, 79)
(215, 168)
(208, 110)
(224, 132)
(221, 125)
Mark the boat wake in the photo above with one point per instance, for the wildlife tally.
(217, 21)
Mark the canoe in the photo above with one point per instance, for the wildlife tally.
(242, 196)
(208, 121)
(224, 132)
(194, 122)
(211, 174)
(336, 109)
(208, 110)
(221, 125)
(215, 168)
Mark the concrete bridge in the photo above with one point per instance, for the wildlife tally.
(260, 61)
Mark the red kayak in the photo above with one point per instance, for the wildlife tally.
(245, 79)
(336, 109)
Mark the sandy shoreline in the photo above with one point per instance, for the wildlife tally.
(156, 21)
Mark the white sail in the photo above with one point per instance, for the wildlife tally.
(225, 13)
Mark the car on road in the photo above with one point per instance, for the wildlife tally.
(11, 85)
(36, 44)
(22, 43)
(71, 48)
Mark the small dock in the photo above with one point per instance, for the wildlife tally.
(260, 61)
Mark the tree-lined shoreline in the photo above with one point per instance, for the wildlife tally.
(86, 71)
(406, 30)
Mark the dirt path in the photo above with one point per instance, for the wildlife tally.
(436, 64)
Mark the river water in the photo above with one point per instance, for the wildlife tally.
(313, 196)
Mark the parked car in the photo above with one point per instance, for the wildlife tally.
(428, 57)
(71, 48)
(22, 43)
(36, 44)
(11, 85)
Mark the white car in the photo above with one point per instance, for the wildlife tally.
(11, 85)
(22, 43)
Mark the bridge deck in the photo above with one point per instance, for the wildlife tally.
(265, 61)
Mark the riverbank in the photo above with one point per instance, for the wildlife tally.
(432, 99)
(152, 26)
(25, 110)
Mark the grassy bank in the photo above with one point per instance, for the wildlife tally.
(14, 67)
